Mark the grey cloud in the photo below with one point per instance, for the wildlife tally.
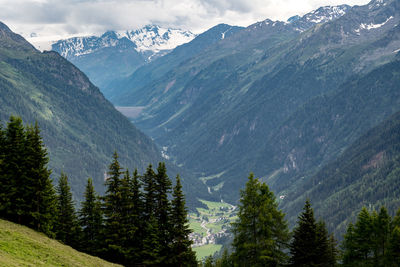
(78, 16)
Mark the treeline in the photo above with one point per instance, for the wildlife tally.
(140, 221)
(262, 237)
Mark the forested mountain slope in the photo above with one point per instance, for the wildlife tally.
(80, 128)
(366, 174)
(319, 131)
(217, 111)
(148, 74)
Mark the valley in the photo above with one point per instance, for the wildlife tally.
(211, 227)
(309, 105)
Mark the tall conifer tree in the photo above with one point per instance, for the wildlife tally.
(43, 198)
(382, 231)
(149, 187)
(394, 245)
(163, 210)
(136, 240)
(181, 252)
(14, 205)
(151, 244)
(113, 213)
(260, 233)
(67, 226)
(310, 243)
(358, 244)
(91, 220)
(3, 178)
(128, 226)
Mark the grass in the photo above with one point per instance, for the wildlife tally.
(215, 205)
(21, 246)
(216, 217)
(207, 250)
(196, 227)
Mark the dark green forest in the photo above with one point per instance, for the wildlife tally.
(141, 219)
(262, 237)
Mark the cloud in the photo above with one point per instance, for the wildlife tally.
(75, 17)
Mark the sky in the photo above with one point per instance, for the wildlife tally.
(41, 21)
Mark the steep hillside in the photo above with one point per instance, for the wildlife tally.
(366, 174)
(148, 74)
(319, 131)
(216, 111)
(21, 246)
(79, 126)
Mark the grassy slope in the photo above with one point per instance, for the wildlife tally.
(21, 246)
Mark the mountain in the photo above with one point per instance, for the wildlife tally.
(80, 128)
(21, 246)
(218, 111)
(365, 175)
(114, 55)
(156, 69)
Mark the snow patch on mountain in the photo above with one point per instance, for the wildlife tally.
(156, 39)
(150, 39)
(326, 13)
(371, 26)
(320, 15)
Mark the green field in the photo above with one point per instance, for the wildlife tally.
(206, 250)
(195, 226)
(21, 246)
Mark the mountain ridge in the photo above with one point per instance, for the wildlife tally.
(80, 128)
(226, 102)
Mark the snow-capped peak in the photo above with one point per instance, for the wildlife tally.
(150, 38)
(326, 13)
(155, 38)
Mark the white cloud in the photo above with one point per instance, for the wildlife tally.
(62, 18)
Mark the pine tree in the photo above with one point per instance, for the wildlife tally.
(91, 220)
(393, 255)
(181, 252)
(42, 197)
(359, 240)
(363, 236)
(13, 203)
(2, 177)
(149, 187)
(209, 262)
(136, 240)
(325, 252)
(381, 234)
(113, 213)
(349, 247)
(333, 252)
(4, 181)
(128, 222)
(310, 245)
(260, 233)
(151, 246)
(225, 260)
(67, 226)
(304, 240)
(150, 229)
(163, 187)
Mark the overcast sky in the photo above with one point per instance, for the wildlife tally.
(53, 19)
